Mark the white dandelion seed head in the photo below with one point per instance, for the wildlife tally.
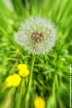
(37, 35)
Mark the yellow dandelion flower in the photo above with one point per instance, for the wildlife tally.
(39, 102)
(22, 66)
(16, 80)
(13, 80)
(24, 73)
(9, 81)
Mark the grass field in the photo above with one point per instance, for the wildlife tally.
(51, 72)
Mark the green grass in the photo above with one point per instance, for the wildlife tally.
(51, 71)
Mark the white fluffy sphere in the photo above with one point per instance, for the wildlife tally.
(37, 35)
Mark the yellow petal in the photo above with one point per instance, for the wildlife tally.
(39, 102)
(16, 80)
(22, 66)
(24, 73)
(9, 81)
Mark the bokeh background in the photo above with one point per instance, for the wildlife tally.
(51, 77)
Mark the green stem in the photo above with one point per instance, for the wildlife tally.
(28, 90)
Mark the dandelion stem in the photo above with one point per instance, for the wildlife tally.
(28, 90)
(17, 60)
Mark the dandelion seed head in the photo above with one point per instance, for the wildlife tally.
(37, 35)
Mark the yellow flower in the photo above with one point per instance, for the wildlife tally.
(22, 66)
(13, 80)
(24, 72)
(39, 102)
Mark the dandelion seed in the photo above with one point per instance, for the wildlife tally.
(36, 35)
(39, 102)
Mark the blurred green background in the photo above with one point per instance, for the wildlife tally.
(52, 71)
